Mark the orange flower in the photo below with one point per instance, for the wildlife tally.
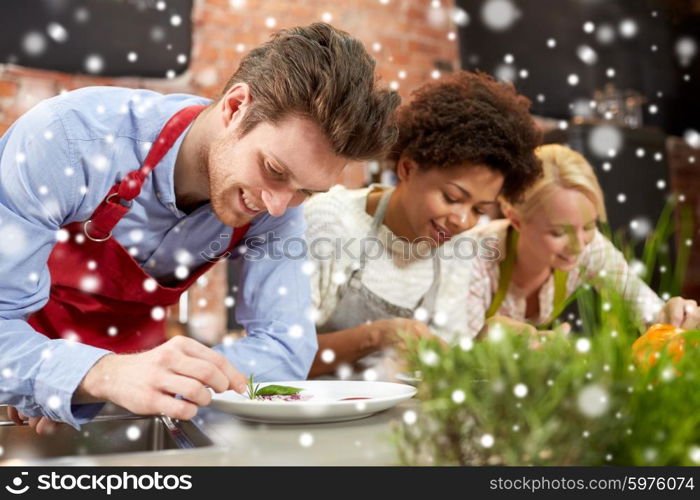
(647, 348)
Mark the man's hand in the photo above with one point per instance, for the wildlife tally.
(42, 425)
(146, 383)
(680, 312)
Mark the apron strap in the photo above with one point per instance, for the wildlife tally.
(506, 272)
(429, 299)
(117, 202)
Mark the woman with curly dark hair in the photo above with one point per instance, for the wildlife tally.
(391, 261)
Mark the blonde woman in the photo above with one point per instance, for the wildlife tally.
(549, 245)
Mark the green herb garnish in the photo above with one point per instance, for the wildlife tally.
(254, 390)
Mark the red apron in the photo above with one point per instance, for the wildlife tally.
(99, 294)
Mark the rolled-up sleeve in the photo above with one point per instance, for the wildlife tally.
(273, 303)
(39, 192)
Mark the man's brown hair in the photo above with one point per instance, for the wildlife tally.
(326, 75)
(468, 118)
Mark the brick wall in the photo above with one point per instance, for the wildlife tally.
(410, 39)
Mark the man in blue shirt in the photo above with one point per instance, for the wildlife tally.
(296, 112)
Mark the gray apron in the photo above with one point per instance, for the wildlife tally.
(357, 304)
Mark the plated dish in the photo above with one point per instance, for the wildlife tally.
(317, 401)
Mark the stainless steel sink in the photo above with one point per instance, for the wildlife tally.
(106, 434)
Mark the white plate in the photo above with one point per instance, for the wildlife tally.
(325, 405)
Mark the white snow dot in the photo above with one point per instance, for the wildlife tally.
(270, 22)
(370, 375)
(54, 402)
(459, 16)
(94, 63)
(327, 17)
(57, 32)
(421, 314)
(628, 28)
(394, 85)
(508, 59)
(588, 27)
(572, 79)
(499, 15)
(410, 417)
(376, 46)
(160, 5)
(328, 356)
(133, 433)
(48, 135)
(306, 439)
(176, 20)
(295, 331)
(587, 54)
(157, 313)
(202, 303)
(583, 345)
(440, 318)
(435, 74)
(62, 235)
(429, 357)
(520, 390)
(458, 396)
(640, 152)
(692, 137)
(34, 43)
(7, 372)
(89, 283)
(182, 272)
(132, 56)
(694, 454)
(605, 34)
(112, 331)
(487, 441)
(338, 277)
(92, 265)
(466, 343)
(653, 109)
(607, 166)
(182, 58)
(150, 285)
(282, 290)
(33, 277)
(610, 72)
(229, 301)
(551, 43)
(621, 198)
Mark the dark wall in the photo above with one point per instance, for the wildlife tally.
(97, 36)
(657, 74)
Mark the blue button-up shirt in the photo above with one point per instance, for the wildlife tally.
(57, 162)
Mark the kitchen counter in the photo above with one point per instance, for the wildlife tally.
(365, 441)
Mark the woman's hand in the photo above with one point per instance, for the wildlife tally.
(680, 312)
(505, 323)
(392, 332)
